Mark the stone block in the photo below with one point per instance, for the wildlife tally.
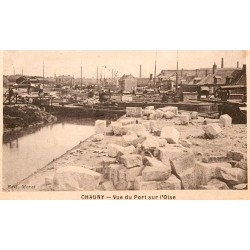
(165, 154)
(100, 127)
(215, 158)
(132, 173)
(185, 143)
(153, 162)
(204, 172)
(187, 177)
(156, 173)
(226, 120)
(131, 132)
(147, 112)
(172, 183)
(72, 178)
(215, 184)
(170, 108)
(140, 184)
(235, 155)
(127, 121)
(231, 176)
(171, 134)
(129, 139)
(168, 115)
(108, 186)
(150, 143)
(133, 111)
(97, 137)
(209, 121)
(242, 186)
(183, 162)
(150, 107)
(146, 124)
(131, 160)
(212, 130)
(184, 119)
(194, 115)
(119, 129)
(113, 172)
(159, 114)
(115, 150)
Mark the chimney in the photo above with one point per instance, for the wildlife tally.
(222, 63)
(214, 68)
(244, 68)
(237, 64)
(206, 72)
(151, 77)
(140, 70)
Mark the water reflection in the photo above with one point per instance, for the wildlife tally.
(31, 151)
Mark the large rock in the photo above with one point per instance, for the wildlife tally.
(150, 143)
(140, 184)
(108, 186)
(165, 154)
(169, 108)
(215, 158)
(119, 129)
(159, 114)
(100, 127)
(240, 186)
(129, 139)
(146, 124)
(106, 161)
(171, 134)
(212, 130)
(209, 121)
(184, 119)
(132, 173)
(138, 128)
(235, 155)
(115, 150)
(185, 143)
(204, 172)
(182, 163)
(150, 108)
(97, 137)
(194, 115)
(153, 162)
(168, 115)
(73, 178)
(226, 120)
(232, 176)
(113, 170)
(131, 160)
(215, 184)
(127, 121)
(187, 177)
(156, 173)
(147, 112)
(133, 111)
(172, 183)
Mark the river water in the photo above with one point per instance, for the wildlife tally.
(31, 151)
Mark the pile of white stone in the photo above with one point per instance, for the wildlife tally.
(149, 158)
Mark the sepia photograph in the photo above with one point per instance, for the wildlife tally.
(124, 120)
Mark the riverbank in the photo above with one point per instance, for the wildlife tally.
(19, 117)
(92, 154)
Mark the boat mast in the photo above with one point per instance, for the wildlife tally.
(177, 73)
(43, 74)
(81, 75)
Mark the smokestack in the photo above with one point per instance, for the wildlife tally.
(214, 68)
(140, 70)
(237, 64)
(222, 63)
(151, 77)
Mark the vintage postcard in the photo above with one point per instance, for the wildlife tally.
(124, 124)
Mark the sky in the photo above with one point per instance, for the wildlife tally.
(123, 61)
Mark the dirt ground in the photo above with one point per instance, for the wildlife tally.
(89, 153)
